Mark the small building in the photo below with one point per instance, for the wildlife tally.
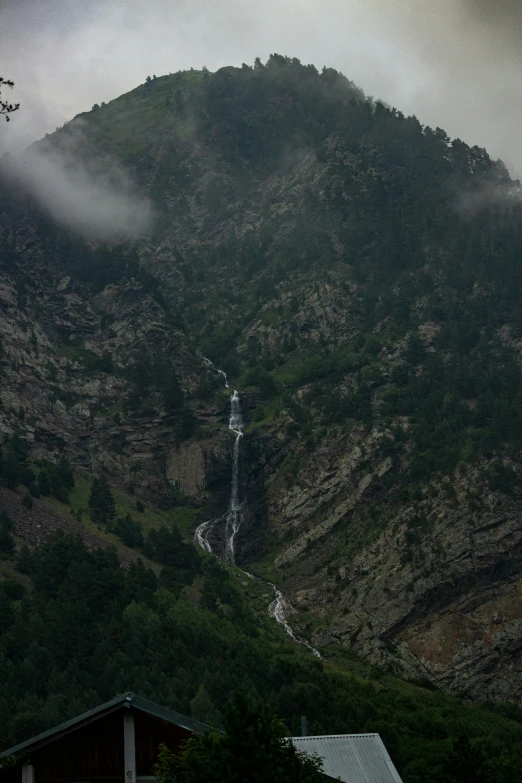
(351, 758)
(117, 741)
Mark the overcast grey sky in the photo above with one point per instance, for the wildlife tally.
(455, 63)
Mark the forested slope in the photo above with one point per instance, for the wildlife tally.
(80, 629)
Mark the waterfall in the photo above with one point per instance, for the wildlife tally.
(221, 373)
(234, 517)
(278, 609)
(202, 533)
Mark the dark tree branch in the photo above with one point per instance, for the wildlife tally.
(5, 107)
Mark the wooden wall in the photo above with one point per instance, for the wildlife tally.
(150, 733)
(95, 752)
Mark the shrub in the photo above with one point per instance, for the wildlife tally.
(25, 560)
(7, 542)
(101, 501)
(129, 531)
(44, 482)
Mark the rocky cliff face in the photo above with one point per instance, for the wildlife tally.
(428, 587)
(66, 356)
(310, 243)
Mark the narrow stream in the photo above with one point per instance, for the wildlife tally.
(234, 518)
(221, 373)
(235, 515)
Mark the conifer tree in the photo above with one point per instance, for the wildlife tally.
(44, 482)
(11, 470)
(101, 501)
(25, 560)
(7, 543)
(173, 399)
(64, 473)
(253, 749)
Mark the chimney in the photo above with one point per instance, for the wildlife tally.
(303, 726)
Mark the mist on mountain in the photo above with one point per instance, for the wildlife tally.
(89, 194)
(453, 63)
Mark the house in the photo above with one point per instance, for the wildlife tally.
(117, 741)
(351, 758)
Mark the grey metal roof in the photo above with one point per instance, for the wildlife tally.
(129, 701)
(352, 758)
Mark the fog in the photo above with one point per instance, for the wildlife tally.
(92, 196)
(456, 64)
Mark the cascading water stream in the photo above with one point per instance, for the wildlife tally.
(234, 518)
(202, 533)
(221, 373)
(278, 609)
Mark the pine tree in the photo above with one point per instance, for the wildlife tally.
(65, 473)
(7, 543)
(11, 470)
(101, 501)
(44, 482)
(253, 749)
(202, 708)
(186, 423)
(173, 399)
(25, 560)
(129, 531)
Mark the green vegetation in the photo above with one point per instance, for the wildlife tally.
(396, 195)
(459, 407)
(152, 374)
(409, 229)
(127, 505)
(253, 749)
(7, 542)
(351, 268)
(141, 109)
(84, 629)
(101, 501)
(89, 360)
(16, 469)
(129, 531)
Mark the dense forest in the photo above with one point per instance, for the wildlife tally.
(80, 629)
(183, 629)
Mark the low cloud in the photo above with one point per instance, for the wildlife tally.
(456, 64)
(487, 195)
(90, 195)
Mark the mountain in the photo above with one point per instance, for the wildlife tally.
(357, 276)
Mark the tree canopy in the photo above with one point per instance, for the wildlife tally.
(251, 749)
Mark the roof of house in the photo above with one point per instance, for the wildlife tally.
(129, 701)
(352, 758)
